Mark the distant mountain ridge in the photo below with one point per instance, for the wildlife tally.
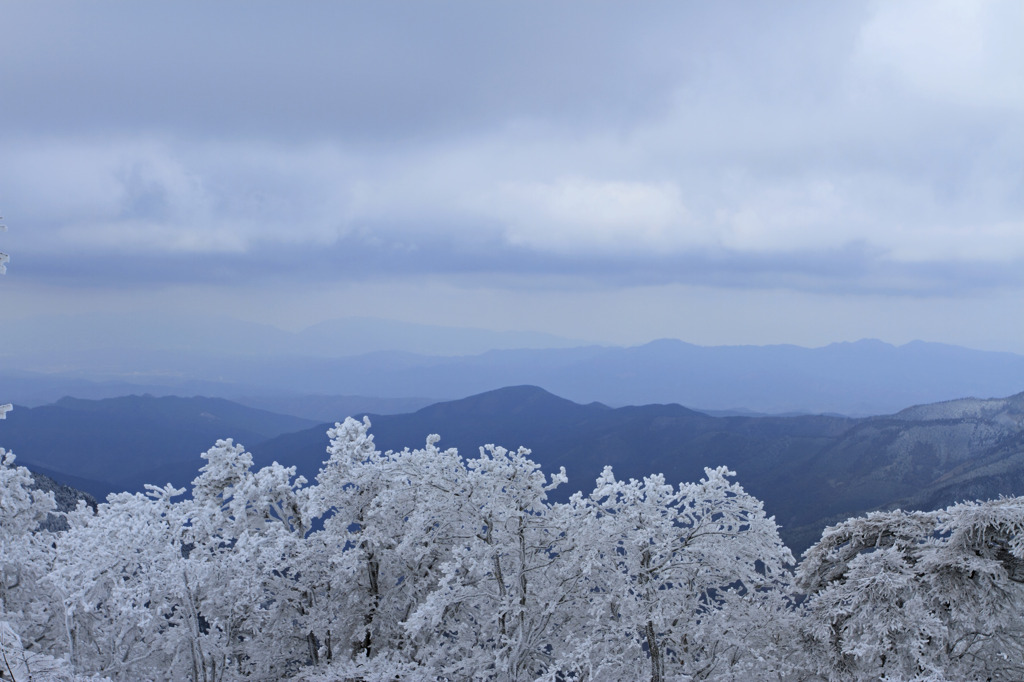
(857, 379)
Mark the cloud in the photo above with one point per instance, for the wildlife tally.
(862, 147)
(965, 53)
(134, 196)
(380, 75)
(583, 216)
(159, 212)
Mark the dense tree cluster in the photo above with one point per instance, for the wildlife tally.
(421, 564)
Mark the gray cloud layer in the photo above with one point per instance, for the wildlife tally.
(869, 147)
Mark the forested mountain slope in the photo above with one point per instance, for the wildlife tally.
(808, 470)
(110, 445)
(924, 457)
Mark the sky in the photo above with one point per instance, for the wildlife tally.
(721, 173)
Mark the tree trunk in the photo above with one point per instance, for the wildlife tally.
(657, 660)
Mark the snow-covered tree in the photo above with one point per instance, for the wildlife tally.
(460, 569)
(509, 593)
(392, 520)
(676, 568)
(117, 576)
(18, 663)
(25, 560)
(204, 588)
(243, 537)
(912, 595)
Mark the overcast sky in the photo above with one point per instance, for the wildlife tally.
(718, 172)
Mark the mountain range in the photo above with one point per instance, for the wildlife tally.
(303, 374)
(809, 470)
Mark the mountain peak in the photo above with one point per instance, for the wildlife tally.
(511, 399)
